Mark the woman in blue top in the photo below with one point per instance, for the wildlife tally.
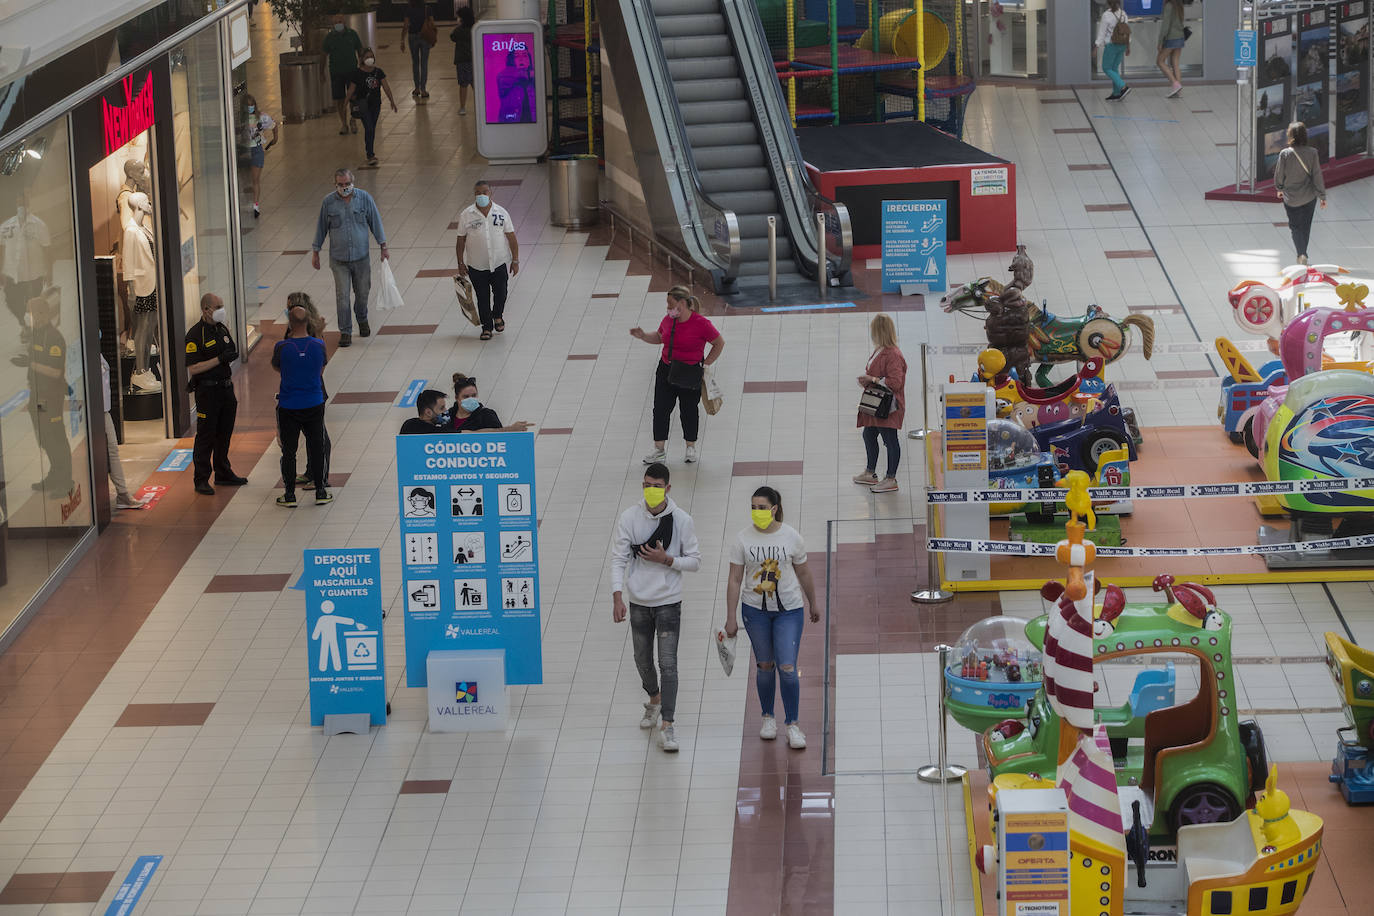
(1171, 41)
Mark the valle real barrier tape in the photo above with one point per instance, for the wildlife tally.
(1178, 491)
(1029, 549)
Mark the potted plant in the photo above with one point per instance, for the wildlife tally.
(300, 16)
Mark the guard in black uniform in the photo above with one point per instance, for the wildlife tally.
(209, 353)
(48, 397)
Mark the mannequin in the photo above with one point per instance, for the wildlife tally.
(24, 241)
(140, 273)
(135, 180)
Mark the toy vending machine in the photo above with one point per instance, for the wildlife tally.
(1033, 848)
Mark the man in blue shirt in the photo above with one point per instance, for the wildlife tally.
(300, 406)
(347, 215)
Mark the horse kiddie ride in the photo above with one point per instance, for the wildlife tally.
(1114, 813)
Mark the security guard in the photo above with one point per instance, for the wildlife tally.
(209, 352)
(48, 397)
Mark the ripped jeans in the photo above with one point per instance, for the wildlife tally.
(776, 638)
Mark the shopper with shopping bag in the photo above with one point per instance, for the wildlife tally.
(347, 215)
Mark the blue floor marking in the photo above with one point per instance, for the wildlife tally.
(126, 898)
(809, 308)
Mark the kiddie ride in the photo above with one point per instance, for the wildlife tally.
(1114, 815)
(1352, 668)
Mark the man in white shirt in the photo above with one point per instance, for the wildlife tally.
(655, 543)
(24, 241)
(488, 255)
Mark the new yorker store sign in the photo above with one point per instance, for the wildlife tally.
(124, 122)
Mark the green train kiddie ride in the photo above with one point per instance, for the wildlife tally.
(1192, 762)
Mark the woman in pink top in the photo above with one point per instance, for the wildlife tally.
(885, 367)
(687, 336)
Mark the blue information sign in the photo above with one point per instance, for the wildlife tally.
(179, 459)
(412, 392)
(133, 886)
(1247, 48)
(343, 628)
(914, 250)
(469, 549)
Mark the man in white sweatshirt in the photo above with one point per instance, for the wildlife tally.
(655, 543)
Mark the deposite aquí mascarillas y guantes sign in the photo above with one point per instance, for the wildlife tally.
(345, 653)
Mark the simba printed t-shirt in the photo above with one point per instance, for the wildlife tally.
(770, 583)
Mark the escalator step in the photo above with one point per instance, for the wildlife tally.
(748, 203)
(711, 90)
(702, 68)
(743, 156)
(756, 249)
(706, 135)
(737, 111)
(691, 26)
(786, 268)
(684, 7)
(734, 179)
(755, 225)
(707, 46)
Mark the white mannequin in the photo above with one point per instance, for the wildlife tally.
(135, 179)
(140, 273)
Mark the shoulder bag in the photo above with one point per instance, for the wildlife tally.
(681, 374)
(877, 400)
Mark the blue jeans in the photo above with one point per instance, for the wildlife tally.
(890, 440)
(419, 60)
(776, 638)
(1112, 57)
(354, 276)
(369, 113)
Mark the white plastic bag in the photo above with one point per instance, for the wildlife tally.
(388, 294)
(711, 398)
(725, 649)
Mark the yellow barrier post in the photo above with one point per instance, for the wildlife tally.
(791, 51)
(921, 60)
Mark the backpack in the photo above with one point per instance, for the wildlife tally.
(1121, 32)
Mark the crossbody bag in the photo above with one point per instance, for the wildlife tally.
(877, 400)
(682, 374)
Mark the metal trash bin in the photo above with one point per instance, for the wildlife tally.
(302, 87)
(574, 196)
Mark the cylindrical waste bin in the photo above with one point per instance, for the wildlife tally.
(302, 92)
(574, 199)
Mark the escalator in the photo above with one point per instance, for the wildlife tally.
(713, 141)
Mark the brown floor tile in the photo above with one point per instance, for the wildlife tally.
(425, 786)
(605, 295)
(556, 431)
(1059, 101)
(1201, 110)
(1133, 253)
(440, 272)
(1073, 130)
(1089, 167)
(296, 251)
(56, 887)
(453, 225)
(1107, 208)
(263, 582)
(407, 329)
(146, 715)
(364, 397)
(1146, 309)
(580, 356)
(776, 387)
(766, 468)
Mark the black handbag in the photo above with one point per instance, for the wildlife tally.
(681, 374)
(876, 401)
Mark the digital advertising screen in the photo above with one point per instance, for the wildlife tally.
(508, 70)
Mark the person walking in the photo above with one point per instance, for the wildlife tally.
(300, 360)
(461, 36)
(210, 352)
(470, 415)
(418, 27)
(257, 124)
(488, 255)
(1299, 184)
(1172, 37)
(655, 543)
(768, 563)
(366, 84)
(343, 47)
(347, 215)
(886, 367)
(47, 377)
(1113, 45)
(315, 324)
(431, 415)
(685, 334)
(114, 467)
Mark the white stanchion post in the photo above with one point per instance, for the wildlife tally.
(942, 770)
(772, 259)
(925, 400)
(822, 262)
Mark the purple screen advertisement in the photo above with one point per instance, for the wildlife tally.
(509, 77)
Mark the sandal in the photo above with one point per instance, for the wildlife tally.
(500, 324)
(485, 335)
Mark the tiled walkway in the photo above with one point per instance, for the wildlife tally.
(158, 705)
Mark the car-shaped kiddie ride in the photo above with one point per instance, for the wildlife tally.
(1352, 668)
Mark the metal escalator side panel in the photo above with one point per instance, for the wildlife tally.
(678, 207)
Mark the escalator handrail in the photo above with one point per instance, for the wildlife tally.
(722, 233)
(799, 196)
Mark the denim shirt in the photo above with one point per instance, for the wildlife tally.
(347, 222)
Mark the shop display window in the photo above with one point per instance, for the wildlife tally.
(1013, 37)
(45, 476)
(1144, 17)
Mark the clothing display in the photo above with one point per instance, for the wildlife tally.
(144, 332)
(140, 263)
(25, 240)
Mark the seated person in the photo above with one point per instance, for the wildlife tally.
(470, 416)
(432, 409)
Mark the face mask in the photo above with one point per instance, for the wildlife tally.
(219, 316)
(252, 108)
(345, 190)
(338, 26)
(369, 61)
(762, 518)
(470, 404)
(654, 496)
(483, 200)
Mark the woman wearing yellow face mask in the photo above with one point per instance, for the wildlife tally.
(768, 560)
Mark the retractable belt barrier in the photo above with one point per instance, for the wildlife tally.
(1178, 491)
(1030, 549)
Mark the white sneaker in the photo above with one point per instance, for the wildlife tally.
(867, 478)
(691, 455)
(145, 381)
(667, 739)
(656, 455)
(769, 731)
(651, 711)
(796, 739)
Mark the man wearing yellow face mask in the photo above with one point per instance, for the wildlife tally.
(655, 543)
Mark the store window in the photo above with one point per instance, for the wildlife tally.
(45, 498)
(1144, 18)
(202, 170)
(1013, 37)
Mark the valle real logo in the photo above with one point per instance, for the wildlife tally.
(465, 702)
(122, 124)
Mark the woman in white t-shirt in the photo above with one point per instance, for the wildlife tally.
(769, 561)
(256, 125)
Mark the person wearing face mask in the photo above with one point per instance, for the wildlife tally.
(210, 352)
(315, 324)
(366, 85)
(300, 360)
(470, 416)
(343, 48)
(768, 562)
(347, 215)
(655, 543)
(431, 409)
(685, 335)
(488, 255)
(256, 124)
